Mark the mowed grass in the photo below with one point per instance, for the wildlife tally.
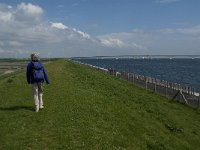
(86, 109)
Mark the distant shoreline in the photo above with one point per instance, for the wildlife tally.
(141, 57)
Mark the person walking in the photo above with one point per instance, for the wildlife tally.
(36, 74)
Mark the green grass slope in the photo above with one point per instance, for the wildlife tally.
(86, 109)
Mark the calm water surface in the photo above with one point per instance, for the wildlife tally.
(183, 71)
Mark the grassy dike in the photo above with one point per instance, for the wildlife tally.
(86, 109)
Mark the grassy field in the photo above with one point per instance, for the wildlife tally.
(7, 66)
(85, 109)
(11, 65)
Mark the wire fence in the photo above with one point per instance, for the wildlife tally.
(174, 91)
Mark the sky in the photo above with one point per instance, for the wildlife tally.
(67, 28)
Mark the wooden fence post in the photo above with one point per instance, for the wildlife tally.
(193, 90)
(199, 101)
(186, 89)
(146, 79)
(125, 75)
(155, 85)
(166, 88)
(128, 76)
(180, 95)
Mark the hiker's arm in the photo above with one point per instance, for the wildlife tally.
(46, 77)
(28, 74)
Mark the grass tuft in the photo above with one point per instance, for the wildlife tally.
(10, 80)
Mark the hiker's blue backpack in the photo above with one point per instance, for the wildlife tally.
(37, 71)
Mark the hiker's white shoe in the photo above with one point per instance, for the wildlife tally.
(41, 107)
(36, 109)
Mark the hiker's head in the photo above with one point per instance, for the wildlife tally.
(35, 56)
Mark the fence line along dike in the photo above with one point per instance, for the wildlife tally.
(174, 91)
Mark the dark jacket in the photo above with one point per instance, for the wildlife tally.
(29, 77)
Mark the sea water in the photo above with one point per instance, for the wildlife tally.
(182, 71)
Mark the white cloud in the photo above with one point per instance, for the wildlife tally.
(5, 16)
(23, 28)
(126, 40)
(165, 41)
(27, 14)
(167, 1)
(192, 30)
(83, 34)
(111, 42)
(120, 43)
(15, 43)
(10, 7)
(58, 25)
(30, 9)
